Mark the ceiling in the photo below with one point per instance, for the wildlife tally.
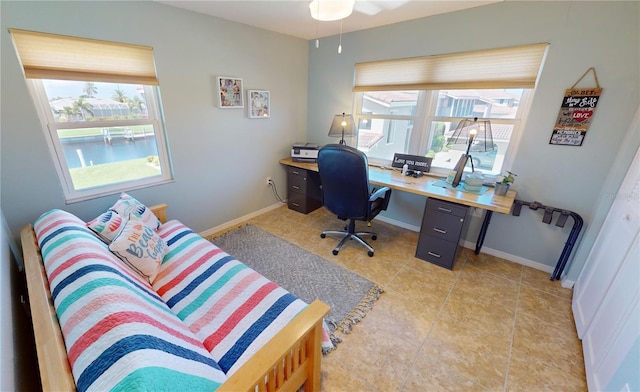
(292, 17)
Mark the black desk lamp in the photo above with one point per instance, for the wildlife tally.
(343, 124)
(467, 131)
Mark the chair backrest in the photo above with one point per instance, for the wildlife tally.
(344, 174)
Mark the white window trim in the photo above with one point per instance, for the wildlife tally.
(71, 195)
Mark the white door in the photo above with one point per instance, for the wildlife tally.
(607, 292)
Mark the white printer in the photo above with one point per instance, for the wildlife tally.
(305, 152)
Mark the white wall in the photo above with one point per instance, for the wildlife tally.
(604, 35)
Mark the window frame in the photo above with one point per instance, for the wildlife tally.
(50, 128)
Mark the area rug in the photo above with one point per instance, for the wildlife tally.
(304, 274)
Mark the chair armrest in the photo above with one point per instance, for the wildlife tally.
(379, 193)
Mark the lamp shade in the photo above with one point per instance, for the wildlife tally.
(482, 141)
(329, 10)
(342, 125)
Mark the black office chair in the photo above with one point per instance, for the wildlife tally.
(344, 174)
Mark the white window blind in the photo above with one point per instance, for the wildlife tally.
(51, 56)
(513, 67)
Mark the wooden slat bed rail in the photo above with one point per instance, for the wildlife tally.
(55, 372)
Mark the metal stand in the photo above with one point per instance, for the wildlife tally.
(547, 218)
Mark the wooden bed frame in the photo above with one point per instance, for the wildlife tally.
(289, 360)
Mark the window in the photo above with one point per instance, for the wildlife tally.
(99, 105)
(412, 106)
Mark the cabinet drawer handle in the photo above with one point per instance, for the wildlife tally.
(295, 204)
(295, 172)
(295, 187)
(433, 254)
(445, 209)
(439, 230)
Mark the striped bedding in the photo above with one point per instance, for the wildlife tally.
(232, 309)
(119, 334)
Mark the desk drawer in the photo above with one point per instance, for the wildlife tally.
(446, 207)
(442, 225)
(437, 251)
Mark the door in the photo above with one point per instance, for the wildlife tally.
(605, 301)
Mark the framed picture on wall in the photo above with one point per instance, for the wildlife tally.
(230, 92)
(259, 105)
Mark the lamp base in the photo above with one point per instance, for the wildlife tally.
(459, 169)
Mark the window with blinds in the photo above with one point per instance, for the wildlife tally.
(421, 100)
(99, 105)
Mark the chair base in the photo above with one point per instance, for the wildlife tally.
(351, 236)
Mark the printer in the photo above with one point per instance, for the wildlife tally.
(304, 152)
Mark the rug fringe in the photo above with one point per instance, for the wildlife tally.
(353, 317)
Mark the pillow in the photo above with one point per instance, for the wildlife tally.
(128, 205)
(140, 247)
(107, 225)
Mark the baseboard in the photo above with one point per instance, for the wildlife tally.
(397, 223)
(510, 257)
(212, 231)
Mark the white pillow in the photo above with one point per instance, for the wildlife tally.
(140, 247)
(127, 205)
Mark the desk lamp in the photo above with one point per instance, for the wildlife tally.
(342, 125)
(473, 130)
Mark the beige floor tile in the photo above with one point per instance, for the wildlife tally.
(430, 373)
(480, 312)
(527, 374)
(476, 282)
(336, 378)
(427, 290)
(540, 280)
(379, 358)
(477, 354)
(494, 265)
(546, 307)
(558, 348)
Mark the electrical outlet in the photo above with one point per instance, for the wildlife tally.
(268, 181)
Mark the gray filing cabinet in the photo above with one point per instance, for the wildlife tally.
(443, 228)
(304, 193)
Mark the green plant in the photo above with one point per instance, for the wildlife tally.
(508, 178)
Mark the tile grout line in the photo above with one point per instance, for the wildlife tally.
(424, 342)
(513, 332)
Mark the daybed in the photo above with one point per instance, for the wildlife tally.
(205, 322)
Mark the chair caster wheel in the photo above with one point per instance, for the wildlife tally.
(375, 237)
(335, 252)
(370, 253)
(323, 235)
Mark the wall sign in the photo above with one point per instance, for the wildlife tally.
(574, 118)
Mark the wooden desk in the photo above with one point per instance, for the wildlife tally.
(424, 186)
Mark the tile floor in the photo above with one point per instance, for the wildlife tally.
(488, 325)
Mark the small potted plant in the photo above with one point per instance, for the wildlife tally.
(503, 185)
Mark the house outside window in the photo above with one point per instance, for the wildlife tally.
(104, 130)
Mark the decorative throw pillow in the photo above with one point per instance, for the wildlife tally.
(107, 225)
(140, 247)
(127, 205)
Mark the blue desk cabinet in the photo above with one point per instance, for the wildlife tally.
(442, 232)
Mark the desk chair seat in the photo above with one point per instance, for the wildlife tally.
(344, 174)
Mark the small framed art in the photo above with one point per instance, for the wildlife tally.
(230, 92)
(259, 105)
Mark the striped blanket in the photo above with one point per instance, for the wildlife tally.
(232, 309)
(118, 332)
